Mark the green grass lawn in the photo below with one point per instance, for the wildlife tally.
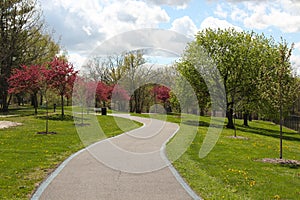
(231, 169)
(26, 158)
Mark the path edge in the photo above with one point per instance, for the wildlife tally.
(175, 173)
(41, 188)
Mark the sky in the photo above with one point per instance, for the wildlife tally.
(83, 25)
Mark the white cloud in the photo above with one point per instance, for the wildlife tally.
(215, 23)
(295, 61)
(297, 46)
(87, 30)
(219, 12)
(180, 4)
(238, 14)
(184, 25)
(83, 24)
(282, 14)
(264, 15)
(106, 19)
(76, 59)
(295, 58)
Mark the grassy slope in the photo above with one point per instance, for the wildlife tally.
(26, 157)
(230, 171)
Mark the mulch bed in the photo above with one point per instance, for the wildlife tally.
(238, 137)
(280, 161)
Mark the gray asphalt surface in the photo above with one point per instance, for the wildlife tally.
(131, 166)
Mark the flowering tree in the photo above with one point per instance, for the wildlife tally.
(162, 94)
(119, 96)
(103, 92)
(62, 76)
(29, 79)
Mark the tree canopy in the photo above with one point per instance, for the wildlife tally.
(243, 59)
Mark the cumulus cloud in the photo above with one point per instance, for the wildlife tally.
(295, 58)
(86, 23)
(282, 14)
(185, 25)
(215, 23)
(180, 4)
(219, 12)
(264, 15)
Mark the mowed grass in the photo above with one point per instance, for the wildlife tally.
(26, 158)
(232, 170)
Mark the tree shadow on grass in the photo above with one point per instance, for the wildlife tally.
(196, 123)
(270, 133)
(57, 117)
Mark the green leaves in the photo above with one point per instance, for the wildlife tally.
(253, 67)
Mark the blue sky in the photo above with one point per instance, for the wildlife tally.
(85, 24)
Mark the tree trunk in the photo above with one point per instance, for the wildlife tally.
(281, 123)
(131, 105)
(137, 102)
(246, 116)
(47, 118)
(35, 103)
(230, 119)
(201, 111)
(4, 102)
(62, 107)
(81, 115)
(20, 99)
(41, 99)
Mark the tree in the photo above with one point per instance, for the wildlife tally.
(135, 78)
(108, 69)
(224, 46)
(188, 70)
(238, 57)
(28, 79)
(62, 75)
(162, 94)
(278, 87)
(119, 97)
(22, 40)
(103, 93)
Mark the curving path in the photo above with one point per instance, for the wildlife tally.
(130, 166)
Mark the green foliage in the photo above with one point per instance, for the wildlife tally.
(278, 86)
(199, 87)
(252, 67)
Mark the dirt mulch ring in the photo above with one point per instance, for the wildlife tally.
(7, 124)
(46, 133)
(238, 137)
(295, 163)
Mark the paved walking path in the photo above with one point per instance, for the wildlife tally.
(130, 166)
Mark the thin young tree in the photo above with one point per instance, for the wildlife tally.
(62, 76)
(279, 88)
